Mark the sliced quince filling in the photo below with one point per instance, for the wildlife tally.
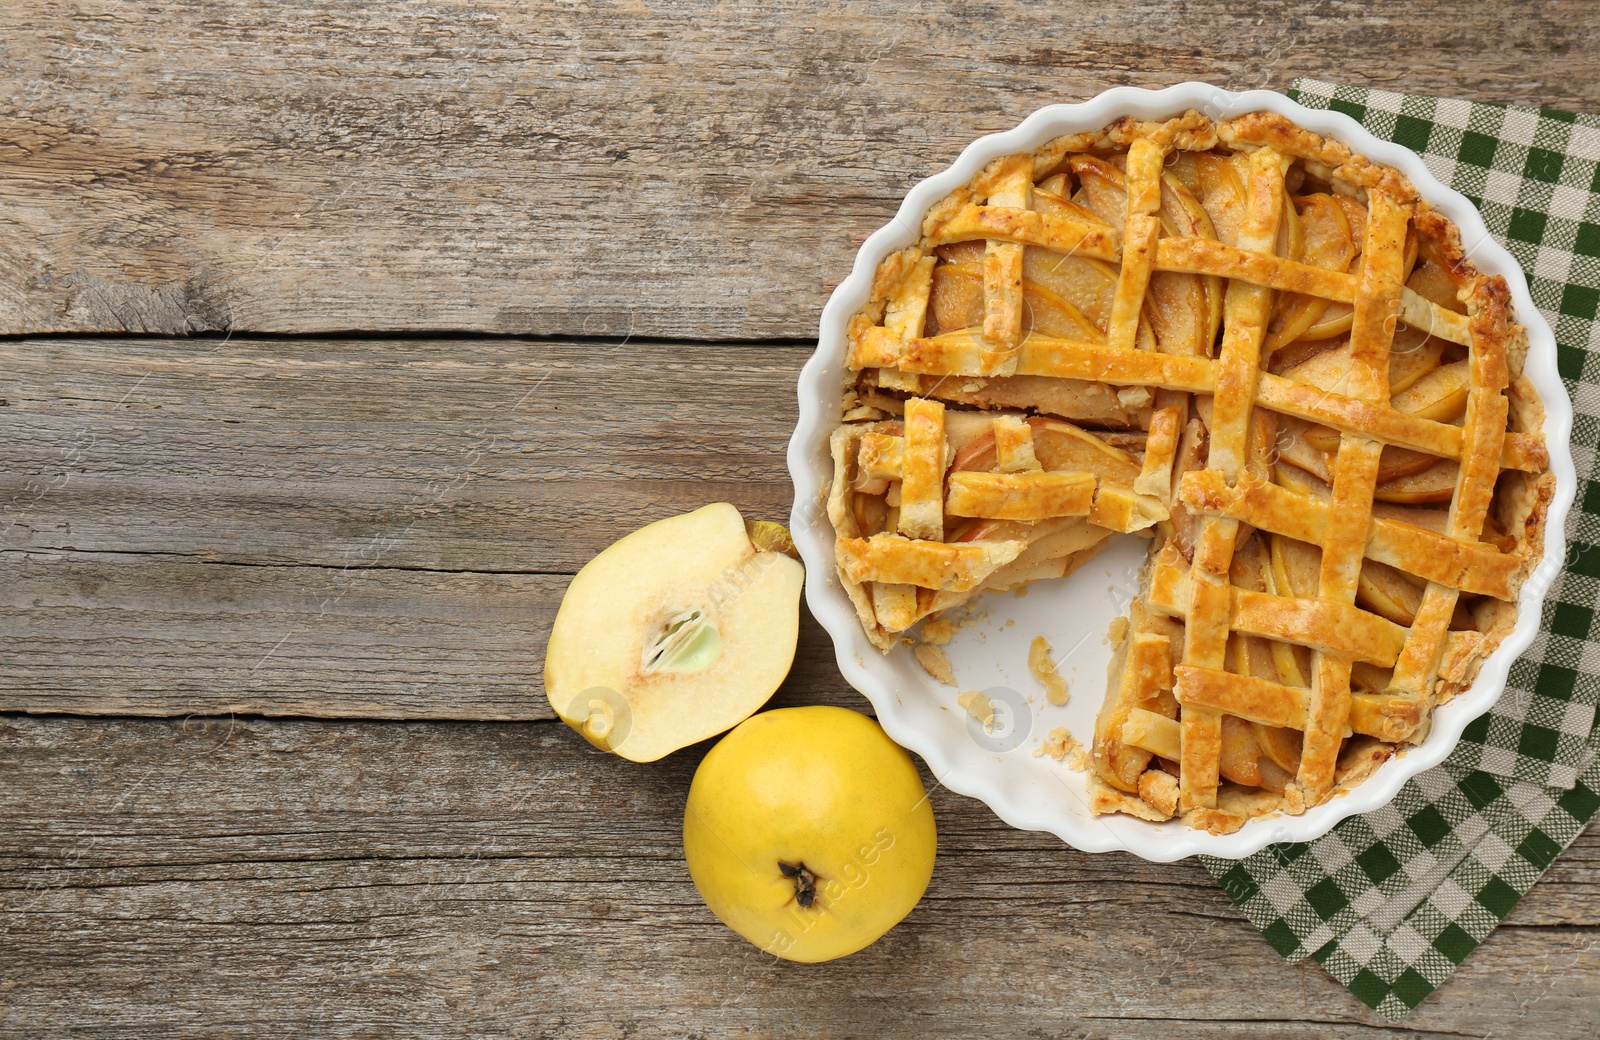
(1262, 353)
(996, 499)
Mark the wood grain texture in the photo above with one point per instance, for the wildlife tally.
(249, 877)
(384, 527)
(139, 634)
(350, 527)
(446, 455)
(668, 169)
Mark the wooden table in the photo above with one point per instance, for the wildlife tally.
(469, 288)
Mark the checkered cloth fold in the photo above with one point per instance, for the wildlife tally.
(1390, 903)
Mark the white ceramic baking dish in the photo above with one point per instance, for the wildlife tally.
(1038, 793)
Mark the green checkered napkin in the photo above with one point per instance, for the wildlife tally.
(1391, 902)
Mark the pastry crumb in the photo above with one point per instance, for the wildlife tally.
(1061, 745)
(1043, 667)
(1119, 631)
(937, 632)
(979, 707)
(934, 662)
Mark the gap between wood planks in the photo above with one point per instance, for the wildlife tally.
(203, 560)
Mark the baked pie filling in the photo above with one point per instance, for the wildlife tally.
(1263, 353)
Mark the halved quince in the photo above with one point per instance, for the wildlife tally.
(675, 633)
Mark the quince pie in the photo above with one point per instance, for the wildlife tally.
(1264, 353)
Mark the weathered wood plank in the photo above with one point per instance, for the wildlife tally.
(655, 168)
(486, 455)
(350, 527)
(131, 634)
(342, 879)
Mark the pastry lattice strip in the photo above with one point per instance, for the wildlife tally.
(1211, 593)
(962, 354)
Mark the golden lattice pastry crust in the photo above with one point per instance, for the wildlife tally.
(1264, 353)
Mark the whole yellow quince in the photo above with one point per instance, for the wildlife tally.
(808, 832)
